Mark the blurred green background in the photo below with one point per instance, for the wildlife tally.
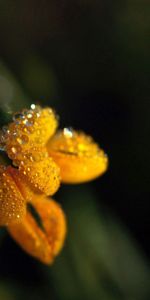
(90, 61)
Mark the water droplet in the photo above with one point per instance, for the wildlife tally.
(68, 133)
(16, 163)
(17, 117)
(2, 148)
(33, 106)
(5, 129)
(19, 140)
(15, 134)
(29, 115)
(14, 150)
(28, 124)
(22, 140)
(37, 114)
(25, 121)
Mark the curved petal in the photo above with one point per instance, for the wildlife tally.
(42, 244)
(12, 203)
(42, 174)
(80, 159)
(30, 128)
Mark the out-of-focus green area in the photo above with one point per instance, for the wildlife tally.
(90, 61)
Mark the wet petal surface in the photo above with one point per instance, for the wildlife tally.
(80, 159)
(44, 244)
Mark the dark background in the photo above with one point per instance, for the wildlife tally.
(90, 61)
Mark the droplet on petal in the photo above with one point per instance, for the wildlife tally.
(41, 244)
(80, 159)
(17, 117)
(68, 133)
(33, 106)
(12, 203)
(42, 174)
(29, 128)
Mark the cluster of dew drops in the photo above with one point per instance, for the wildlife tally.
(24, 124)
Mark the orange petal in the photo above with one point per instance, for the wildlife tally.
(37, 174)
(42, 244)
(26, 190)
(80, 159)
(12, 203)
(30, 128)
(43, 175)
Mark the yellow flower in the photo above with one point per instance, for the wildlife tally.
(12, 202)
(25, 140)
(80, 159)
(41, 159)
(43, 243)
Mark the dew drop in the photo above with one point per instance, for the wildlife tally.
(5, 129)
(22, 140)
(19, 140)
(2, 147)
(25, 121)
(68, 133)
(33, 106)
(18, 116)
(37, 114)
(29, 123)
(29, 115)
(14, 150)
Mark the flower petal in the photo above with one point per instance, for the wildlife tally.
(30, 128)
(42, 175)
(80, 159)
(12, 203)
(42, 244)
